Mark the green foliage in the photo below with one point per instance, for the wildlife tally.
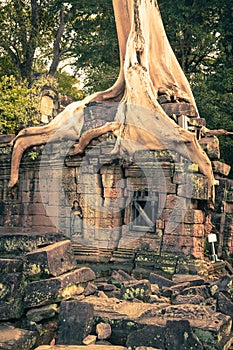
(200, 33)
(68, 85)
(100, 77)
(18, 105)
(97, 47)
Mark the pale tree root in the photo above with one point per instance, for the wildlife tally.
(146, 140)
(91, 134)
(34, 130)
(207, 132)
(23, 142)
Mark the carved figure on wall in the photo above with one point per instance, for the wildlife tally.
(76, 220)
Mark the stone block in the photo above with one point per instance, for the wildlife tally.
(40, 313)
(211, 146)
(190, 230)
(150, 336)
(121, 276)
(192, 279)
(179, 335)
(193, 216)
(10, 265)
(160, 280)
(11, 295)
(190, 299)
(173, 290)
(223, 284)
(195, 188)
(21, 243)
(164, 99)
(224, 305)
(103, 330)
(112, 222)
(221, 168)
(57, 288)
(197, 122)
(136, 290)
(53, 260)
(90, 289)
(202, 291)
(75, 322)
(186, 245)
(211, 328)
(178, 109)
(15, 338)
(173, 201)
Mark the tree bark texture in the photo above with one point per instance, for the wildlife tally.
(148, 69)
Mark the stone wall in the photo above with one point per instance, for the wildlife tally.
(154, 203)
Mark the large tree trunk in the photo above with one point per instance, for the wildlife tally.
(148, 68)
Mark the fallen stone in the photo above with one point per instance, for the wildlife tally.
(101, 294)
(41, 313)
(12, 338)
(106, 287)
(159, 299)
(155, 289)
(10, 265)
(178, 288)
(188, 299)
(194, 280)
(152, 335)
(136, 290)
(202, 291)
(120, 314)
(223, 284)
(75, 322)
(224, 305)
(179, 335)
(160, 280)
(11, 295)
(103, 330)
(212, 328)
(21, 243)
(121, 276)
(90, 340)
(53, 260)
(57, 288)
(90, 289)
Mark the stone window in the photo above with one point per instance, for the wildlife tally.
(144, 210)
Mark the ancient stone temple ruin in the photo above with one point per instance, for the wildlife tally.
(149, 212)
(110, 253)
(106, 214)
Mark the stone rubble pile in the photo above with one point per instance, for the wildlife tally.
(48, 302)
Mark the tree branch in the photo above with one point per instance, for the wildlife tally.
(56, 47)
